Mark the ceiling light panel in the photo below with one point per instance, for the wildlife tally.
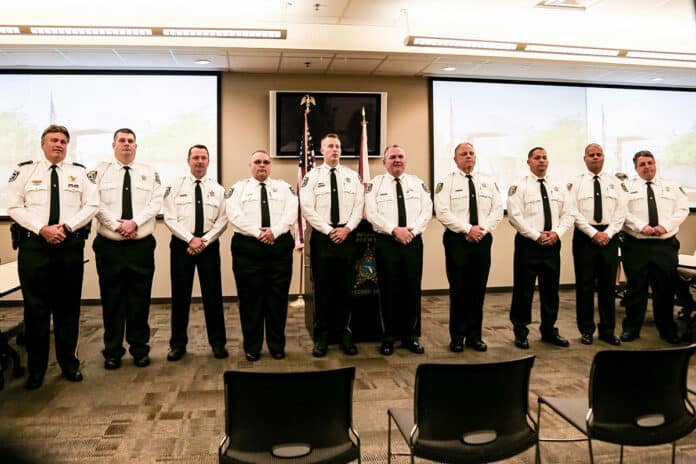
(571, 50)
(459, 43)
(227, 33)
(93, 31)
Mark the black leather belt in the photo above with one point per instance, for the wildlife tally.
(600, 227)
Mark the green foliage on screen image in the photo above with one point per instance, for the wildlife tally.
(167, 141)
(19, 140)
(681, 150)
(563, 141)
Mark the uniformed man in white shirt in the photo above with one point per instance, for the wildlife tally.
(52, 202)
(599, 206)
(262, 212)
(468, 204)
(332, 201)
(398, 206)
(130, 199)
(539, 210)
(650, 251)
(194, 210)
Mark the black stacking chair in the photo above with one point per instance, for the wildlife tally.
(290, 417)
(636, 398)
(467, 413)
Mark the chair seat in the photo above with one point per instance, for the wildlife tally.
(456, 451)
(632, 435)
(336, 454)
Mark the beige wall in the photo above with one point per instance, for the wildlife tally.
(245, 128)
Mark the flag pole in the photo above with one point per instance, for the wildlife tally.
(299, 303)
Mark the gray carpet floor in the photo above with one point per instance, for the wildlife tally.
(174, 412)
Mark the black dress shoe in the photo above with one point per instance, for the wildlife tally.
(522, 343)
(413, 346)
(252, 357)
(277, 354)
(387, 348)
(112, 363)
(478, 345)
(628, 336)
(141, 361)
(586, 339)
(220, 352)
(347, 345)
(34, 382)
(319, 350)
(176, 354)
(457, 346)
(555, 339)
(73, 376)
(610, 339)
(672, 339)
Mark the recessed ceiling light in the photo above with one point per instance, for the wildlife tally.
(105, 31)
(227, 33)
(202, 61)
(662, 56)
(459, 43)
(571, 50)
(449, 68)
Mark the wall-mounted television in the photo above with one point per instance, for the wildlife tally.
(338, 112)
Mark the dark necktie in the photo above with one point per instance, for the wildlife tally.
(54, 213)
(198, 228)
(473, 207)
(126, 202)
(335, 213)
(547, 206)
(265, 212)
(400, 203)
(597, 201)
(652, 207)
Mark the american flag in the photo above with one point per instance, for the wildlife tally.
(305, 164)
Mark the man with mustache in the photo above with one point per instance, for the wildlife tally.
(53, 202)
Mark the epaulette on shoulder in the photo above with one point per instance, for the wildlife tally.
(24, 163)
(79, 165)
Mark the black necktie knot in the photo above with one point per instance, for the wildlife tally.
(54, 166)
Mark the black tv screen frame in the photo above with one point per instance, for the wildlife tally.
(334, 112)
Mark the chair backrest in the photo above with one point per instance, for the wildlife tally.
(265, 409)
(453, 399)
(627, 385)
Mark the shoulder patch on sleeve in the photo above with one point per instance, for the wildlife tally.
(167, 191)
(14, 176)
(92, 176)
(292, 189)
(305, 181)
(570, 186)
(512, 190)
(229, 192)
(79, 165)
(24, 163)
(438, 187)
(368, 187)
(623, 186)
(157, 178)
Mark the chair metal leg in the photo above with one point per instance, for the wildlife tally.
(389, 453)
(621, 455)
(589, 445)
(674, 451)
